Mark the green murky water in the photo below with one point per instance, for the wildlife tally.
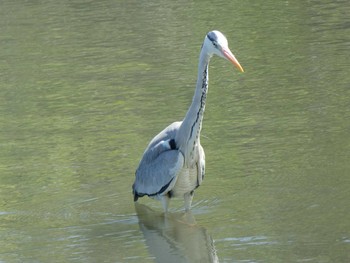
(84, 86)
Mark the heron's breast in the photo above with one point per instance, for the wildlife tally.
(186, 182)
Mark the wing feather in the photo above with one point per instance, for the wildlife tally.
(158, 175)
(159, 166)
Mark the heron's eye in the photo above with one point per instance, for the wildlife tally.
(215, 44)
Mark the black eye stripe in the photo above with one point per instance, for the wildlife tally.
(212, 37)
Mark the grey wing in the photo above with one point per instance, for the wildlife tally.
(158, 170)
(160, 164)
(166, 134)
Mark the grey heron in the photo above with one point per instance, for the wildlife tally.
(173, 163)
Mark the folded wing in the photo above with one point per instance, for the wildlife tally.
(158, 170)
(160, 165)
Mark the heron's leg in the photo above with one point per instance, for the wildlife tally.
(165, 203)
(188, 200)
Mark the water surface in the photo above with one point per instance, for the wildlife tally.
(86, 84)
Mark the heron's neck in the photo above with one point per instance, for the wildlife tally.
(189, 132)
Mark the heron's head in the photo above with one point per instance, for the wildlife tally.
(216, 43)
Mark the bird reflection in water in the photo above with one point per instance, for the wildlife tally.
(175, 237)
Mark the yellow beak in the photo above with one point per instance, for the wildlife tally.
(228, 54)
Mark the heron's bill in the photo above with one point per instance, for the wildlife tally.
(228, 54)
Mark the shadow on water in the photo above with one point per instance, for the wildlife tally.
(175, 237)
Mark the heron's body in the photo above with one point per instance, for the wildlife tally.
(173, 164)
(182, 181)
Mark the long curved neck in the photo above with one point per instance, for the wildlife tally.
(189, 131)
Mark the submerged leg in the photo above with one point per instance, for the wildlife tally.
(188, 200)
(165, 202)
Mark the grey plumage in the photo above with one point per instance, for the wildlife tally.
(159, 158)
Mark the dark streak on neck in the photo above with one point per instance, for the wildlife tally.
(202, 100)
